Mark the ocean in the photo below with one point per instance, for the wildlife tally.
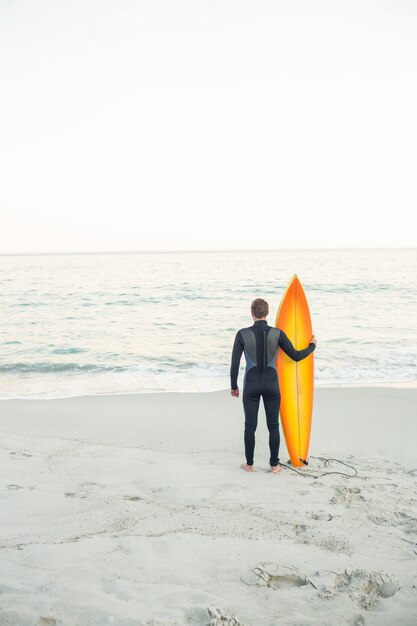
(77, 324)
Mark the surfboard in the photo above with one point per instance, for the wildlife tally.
(296, 379)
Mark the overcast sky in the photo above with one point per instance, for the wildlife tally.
(216, 124)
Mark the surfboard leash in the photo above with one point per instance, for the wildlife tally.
(326, 464)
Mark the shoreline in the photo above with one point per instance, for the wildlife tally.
(407, 384)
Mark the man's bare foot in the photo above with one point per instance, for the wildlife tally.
(247, 468)
(275, 469)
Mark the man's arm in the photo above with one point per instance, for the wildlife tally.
(236, 356)
(295, 355)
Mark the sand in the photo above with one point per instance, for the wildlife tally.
(132, 510)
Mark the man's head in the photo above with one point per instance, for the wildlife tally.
(259, 308)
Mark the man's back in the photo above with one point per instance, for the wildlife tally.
(260, 343)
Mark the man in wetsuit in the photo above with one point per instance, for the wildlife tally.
(260, 343)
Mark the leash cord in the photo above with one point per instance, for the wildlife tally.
(326, 464)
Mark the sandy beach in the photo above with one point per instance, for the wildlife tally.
(132, 510)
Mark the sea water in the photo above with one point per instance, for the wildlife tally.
(76, 324)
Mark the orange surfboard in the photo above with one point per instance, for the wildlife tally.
(296, 379)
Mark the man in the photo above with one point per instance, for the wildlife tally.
(260, 343)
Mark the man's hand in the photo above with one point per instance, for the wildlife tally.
(234, 393)
(313, 340)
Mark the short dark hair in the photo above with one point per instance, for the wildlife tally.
(259, 308)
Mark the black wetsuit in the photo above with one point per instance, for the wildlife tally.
(260, 343)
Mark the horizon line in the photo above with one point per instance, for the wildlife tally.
(206, 250)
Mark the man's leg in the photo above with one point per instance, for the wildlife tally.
(271, 405)
(251, 407)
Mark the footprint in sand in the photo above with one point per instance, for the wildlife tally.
(322, 516)
(72, 494)
(219, 618)
(21, 454)
(364, 588)
(90, 484)
(46, 621)
(85, 489)
(275, 577)
(347, 496)
(15, 487)
(299, 529)
(356, 620)
(132, 498)
(398, 519)
(406, 523)
(325, 541)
